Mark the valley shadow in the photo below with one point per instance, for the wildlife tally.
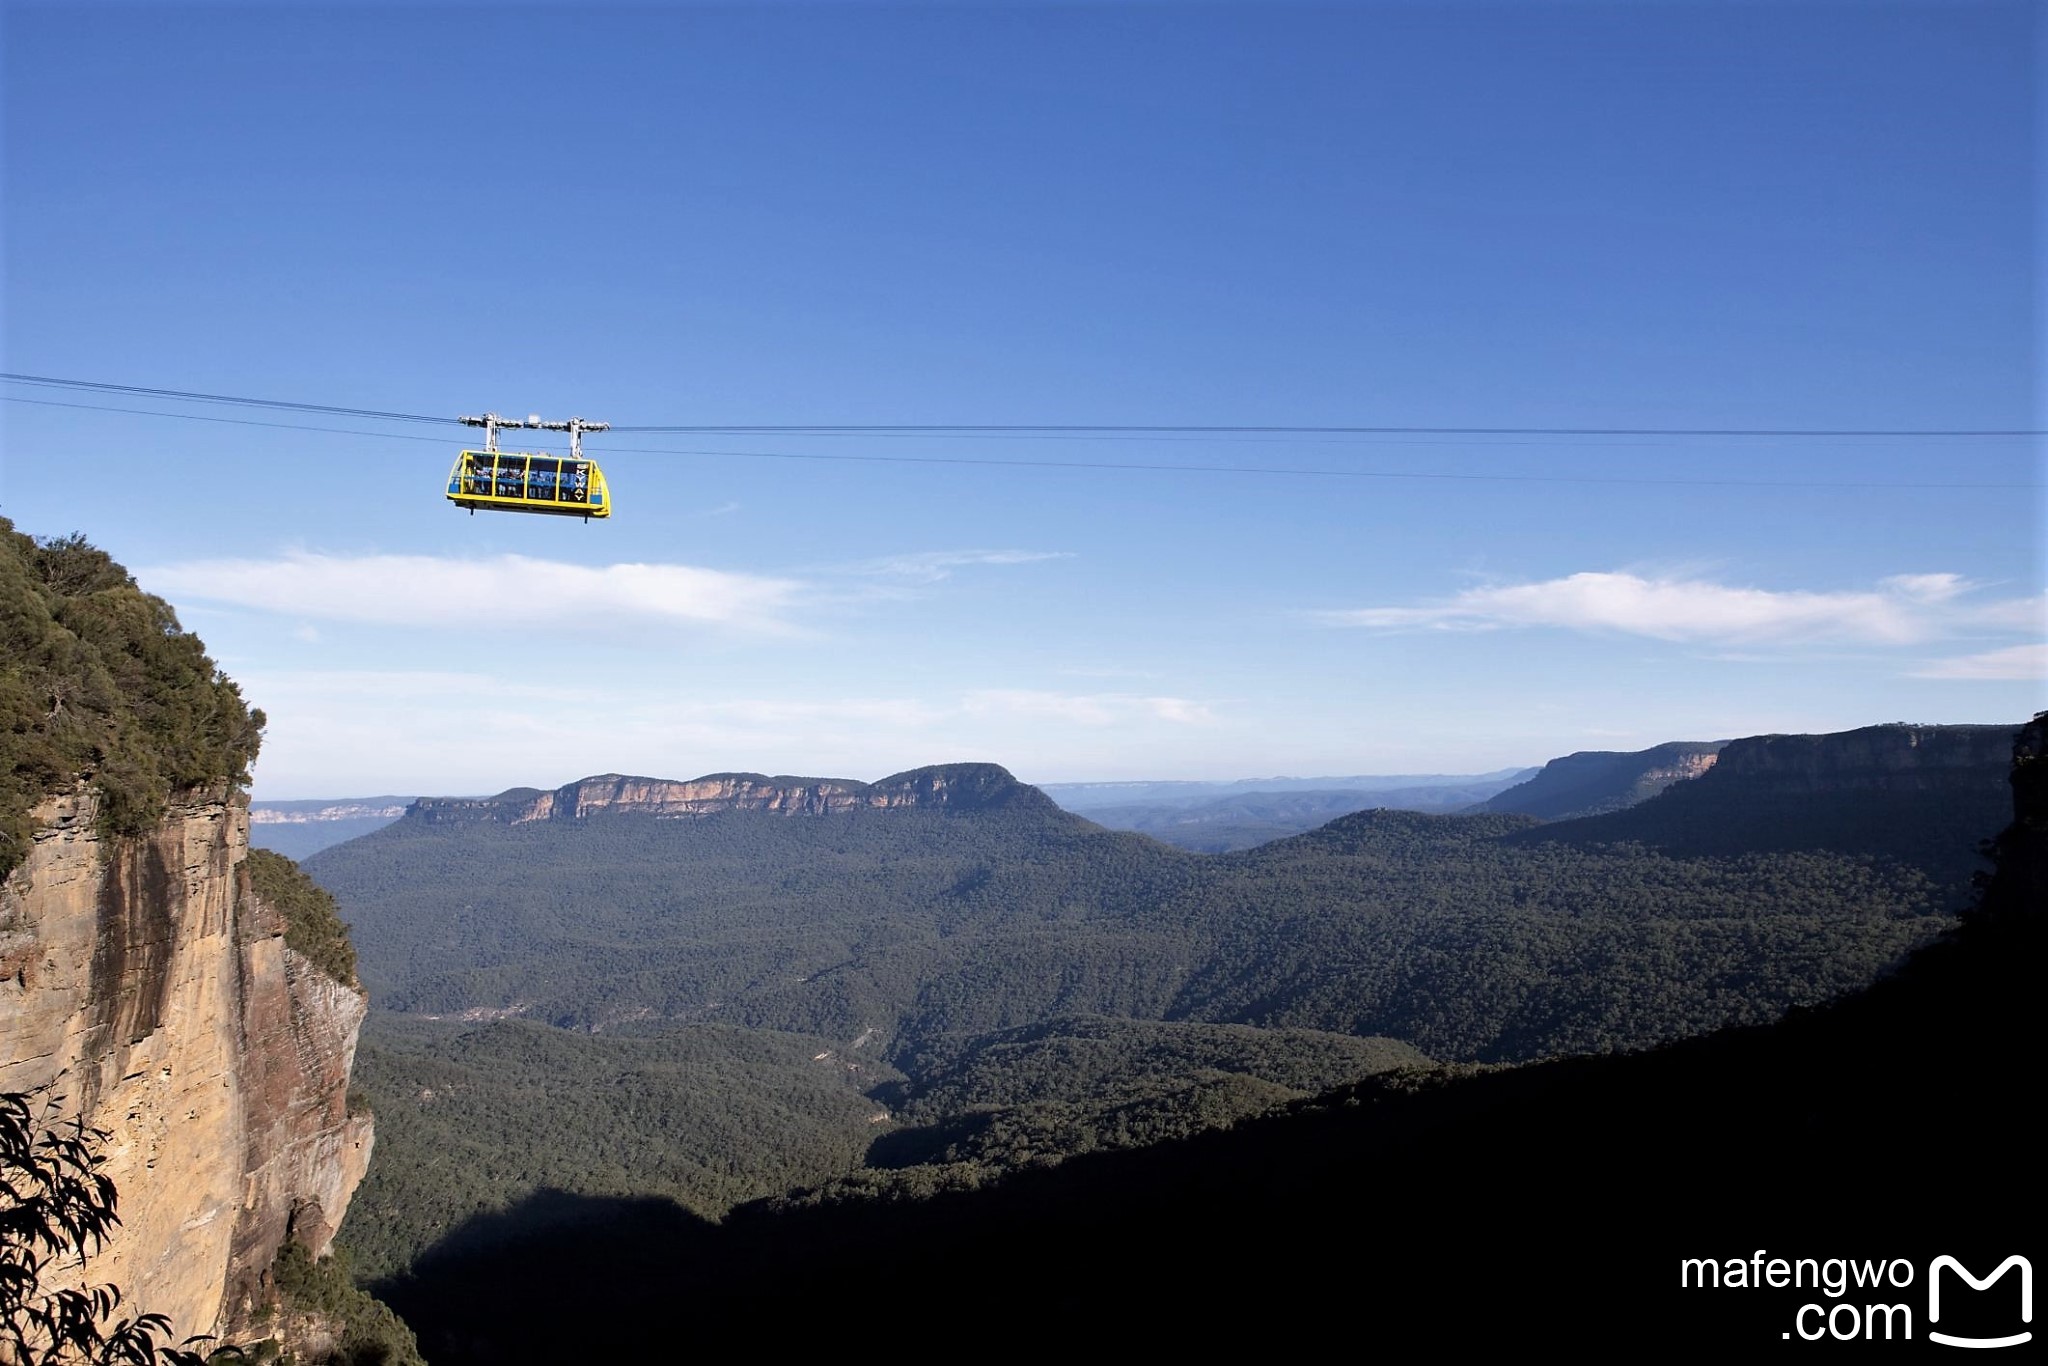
(902, 1148)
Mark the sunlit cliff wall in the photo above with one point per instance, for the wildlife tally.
(144, 982)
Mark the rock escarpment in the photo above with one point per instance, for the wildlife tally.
(144, 981)
(946, 787)
(1894, 758)
(1924, 796)
(1594, 781)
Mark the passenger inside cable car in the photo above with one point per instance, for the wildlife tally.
(540, 479)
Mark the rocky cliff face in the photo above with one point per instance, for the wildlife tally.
(1594, 781)
(1922, 796)
(949, 787)
(144, 980)
(1898, 758)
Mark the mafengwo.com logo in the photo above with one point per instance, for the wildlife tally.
(1874, 1299)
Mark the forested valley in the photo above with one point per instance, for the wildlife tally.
(902, 1003)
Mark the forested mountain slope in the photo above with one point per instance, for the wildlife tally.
(1483, 937)
(1553, 1201)
(479, 1116)
(1920, 796)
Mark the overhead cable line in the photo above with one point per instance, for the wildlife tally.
(235, 421)
(1025, 428)
(1054, 429)
(140, 391)
(998, 462)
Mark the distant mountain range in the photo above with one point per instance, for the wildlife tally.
(1220, 825)
(1088, 798)
(303, 828)
(1205, 817)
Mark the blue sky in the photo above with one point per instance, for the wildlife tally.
(1647, 215)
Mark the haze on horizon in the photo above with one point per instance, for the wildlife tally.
(1550, 216)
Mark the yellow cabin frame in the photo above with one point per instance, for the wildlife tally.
(518, 481)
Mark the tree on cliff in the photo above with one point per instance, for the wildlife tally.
(56, 1209)
(99, 682)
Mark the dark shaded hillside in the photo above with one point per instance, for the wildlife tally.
(1551, 1203)
(1914, 796)
(1051, 1091)
(474, 1117)
(1594, 781)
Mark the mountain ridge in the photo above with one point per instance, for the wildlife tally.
(1593, 781)
(950, 787)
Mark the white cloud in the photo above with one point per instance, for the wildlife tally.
(1926, 587)
(929, 566)
(335, 732)
(2021, 663)
(1085, 709)
(1902, 610)
(503, 593)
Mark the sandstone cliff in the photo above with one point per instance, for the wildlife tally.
(143, 978)
(1895, 758)
(1593, 781)
(947, 787)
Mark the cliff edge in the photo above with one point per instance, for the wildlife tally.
(944, 787)
(144, 980)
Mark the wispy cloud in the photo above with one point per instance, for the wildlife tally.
(1086, 709)
(505, 592)
(1904, 609)
(929, 566)
(333, 731)
(2018, 663)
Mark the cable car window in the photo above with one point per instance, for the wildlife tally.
(540, 478)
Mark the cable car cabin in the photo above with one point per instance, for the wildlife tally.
(509, 481)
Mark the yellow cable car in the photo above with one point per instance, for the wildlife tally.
(520, 481)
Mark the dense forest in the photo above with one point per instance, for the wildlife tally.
(472, 1118)
(97, 682)
(1487, 938)
(1552, 1201)
(313, 925)
(895, 1004)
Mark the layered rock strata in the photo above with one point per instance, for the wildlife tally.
(1894, 758)
(143, 982)
(947, 787)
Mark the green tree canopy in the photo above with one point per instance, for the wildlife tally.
(98, 681)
